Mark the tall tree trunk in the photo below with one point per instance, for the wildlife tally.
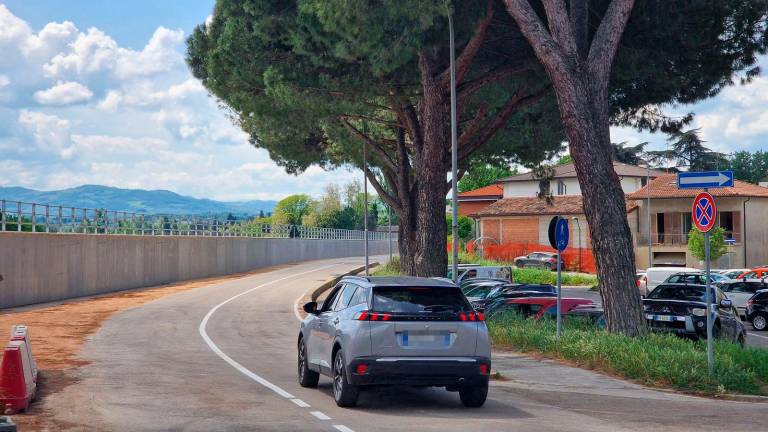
(586, 125)
(431, 258)
(580, 73)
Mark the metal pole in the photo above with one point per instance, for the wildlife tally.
(365, 202)
(389, 231)
(648, 186)
(559, 297)
(454, 159)
(710, 321)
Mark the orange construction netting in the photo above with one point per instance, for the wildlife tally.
(575, 259)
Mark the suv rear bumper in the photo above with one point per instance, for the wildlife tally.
(426, 371)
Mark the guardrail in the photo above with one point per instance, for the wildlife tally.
(44, 218)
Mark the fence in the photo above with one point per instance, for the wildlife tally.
(43, 218)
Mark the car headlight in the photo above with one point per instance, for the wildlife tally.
(699, 312)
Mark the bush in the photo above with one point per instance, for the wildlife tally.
(661, 360)
(391, 268)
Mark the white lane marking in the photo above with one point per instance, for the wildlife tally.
(749, 335)
(242, 369)
(343, 428)
(320, 415)
(300, 403)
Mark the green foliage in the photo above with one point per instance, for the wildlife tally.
(717, 247)
(628, 154)
(292, 209)
(483, 175)
(564, 159)
(661, 360)
(391, 268)
(688, 150)
(749, 167)
(466, 226)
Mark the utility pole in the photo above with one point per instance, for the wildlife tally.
(454, 157)
(365, 201)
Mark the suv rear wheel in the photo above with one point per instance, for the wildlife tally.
(759, 322)
(474, 396)
(344, 393)
(307, 377)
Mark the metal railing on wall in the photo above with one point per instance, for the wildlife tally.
(43, 218)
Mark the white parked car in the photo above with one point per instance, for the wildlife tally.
(741, 290)
(656, 276)
(733, 273)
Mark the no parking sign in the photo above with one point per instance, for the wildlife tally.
(704, 212)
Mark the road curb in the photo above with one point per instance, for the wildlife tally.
(314, 293)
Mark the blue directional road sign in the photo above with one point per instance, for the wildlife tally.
(561, 234)
(704, 179)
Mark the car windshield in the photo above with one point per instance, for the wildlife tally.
(716, 277)
(688, 293)
(419, 300)
(481, 291)
(537, 288)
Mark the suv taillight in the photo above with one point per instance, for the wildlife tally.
(750, 303)
(372, 316)
(472, 316)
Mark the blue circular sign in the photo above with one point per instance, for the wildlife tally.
(561, 234)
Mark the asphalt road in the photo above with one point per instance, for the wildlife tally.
(223, 358)
(754, 338)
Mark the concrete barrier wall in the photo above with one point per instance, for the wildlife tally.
(38, 268)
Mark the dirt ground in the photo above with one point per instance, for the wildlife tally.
(57, 331)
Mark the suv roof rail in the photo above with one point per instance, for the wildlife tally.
(365, 278)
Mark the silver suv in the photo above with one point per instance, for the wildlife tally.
(395, 331)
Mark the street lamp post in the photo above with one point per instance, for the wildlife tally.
(648, 186)
(365, 202)
(454, 157)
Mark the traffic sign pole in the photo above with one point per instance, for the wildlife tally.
(559, 296)
(710, 353)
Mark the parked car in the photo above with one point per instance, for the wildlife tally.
(733, 273)
(755, 273)
(514, 291)
(469, 271)
(757, 310)
(536, 307)
(373, 331)
(593, 312)
(656, 276)
(697, 277)
(468, 284)
(682, 309)
(482, 290)
(741, 290)
(539, 259)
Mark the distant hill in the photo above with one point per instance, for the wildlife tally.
(134, 200)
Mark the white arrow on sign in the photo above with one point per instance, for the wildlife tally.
(716, 177)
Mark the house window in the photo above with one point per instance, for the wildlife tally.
(561, 188)
(687, 223)
(731, 223)
(643, 181)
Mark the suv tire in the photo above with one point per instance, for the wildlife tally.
(307, 377)
(344, 393)
(474, 396)
(759, 322)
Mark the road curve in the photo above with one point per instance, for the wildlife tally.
(223, 358)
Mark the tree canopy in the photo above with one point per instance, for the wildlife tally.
(482, 175)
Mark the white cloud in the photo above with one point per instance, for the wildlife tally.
(109, 145)
(13, 30)
(111, 101)
(158, 55)
(50, 133)
(4, 81)
(52, 39)
(64, 93)
(91, 52)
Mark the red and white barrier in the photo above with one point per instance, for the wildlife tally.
(18, 372)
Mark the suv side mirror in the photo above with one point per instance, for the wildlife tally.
(726, 303)
(310, 308)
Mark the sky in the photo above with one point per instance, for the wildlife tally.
(97, 92)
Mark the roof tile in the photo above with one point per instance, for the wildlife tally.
(561, 205)
(665, 186)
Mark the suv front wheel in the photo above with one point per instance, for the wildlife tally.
(307, 377)
(344, 393)
(474, 396)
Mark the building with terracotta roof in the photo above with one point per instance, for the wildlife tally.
(473, 201)
(564, 181)
(742, 212)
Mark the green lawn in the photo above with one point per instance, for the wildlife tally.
(659, 360)
(521, 275)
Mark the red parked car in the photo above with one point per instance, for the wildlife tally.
(537, 307)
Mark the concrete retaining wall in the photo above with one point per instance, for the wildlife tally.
(38, 268)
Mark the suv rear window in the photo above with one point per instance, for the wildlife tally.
(688, 293)
(419, 299)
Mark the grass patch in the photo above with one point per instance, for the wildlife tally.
(659, 360)
(532, 275)
(391, 268)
